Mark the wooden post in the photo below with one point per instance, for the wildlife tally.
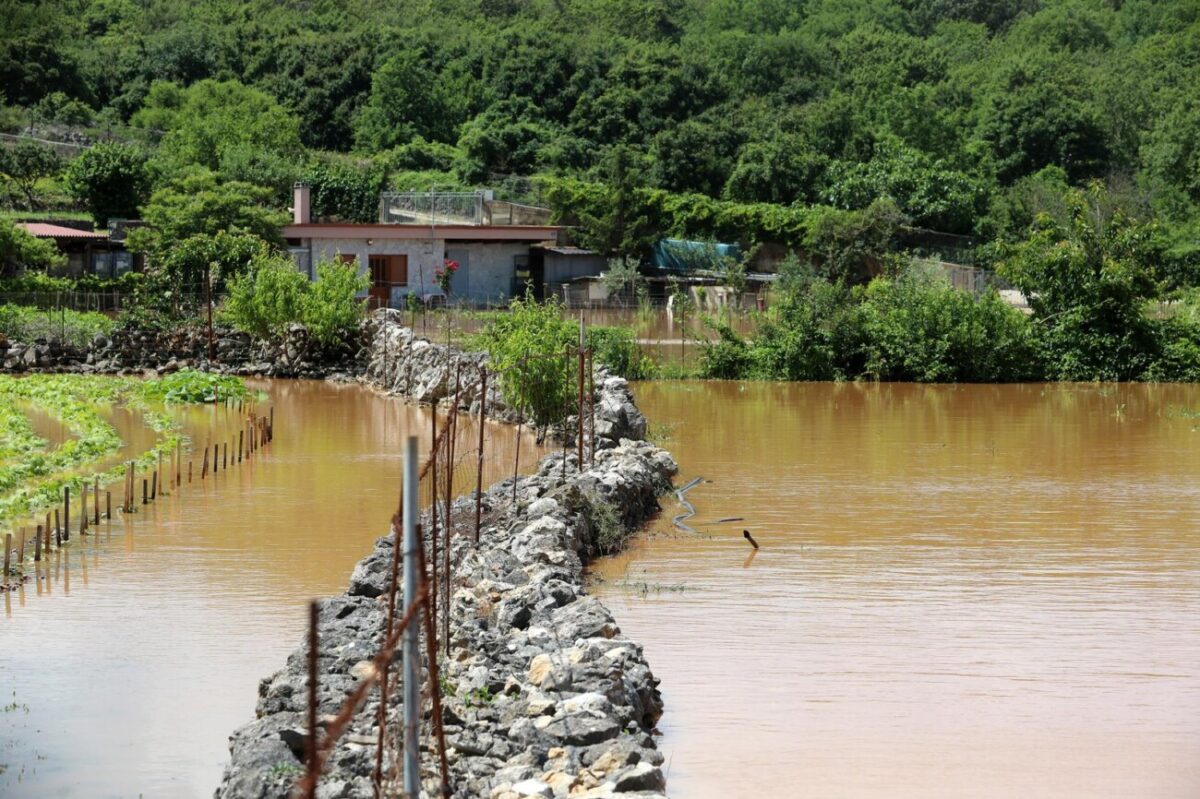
(224, 456)
(154, 485)
(7, 554)
(479, 459)
(37, 545)
(158, 478)
(204, 466)
(56, 529)
(189, 472)
(21, 551)
(145, 491)
(66, 531)
(178, 465)
(271, 425)
(108, 505)
(241, 434)
(96, 501)
(83, 514)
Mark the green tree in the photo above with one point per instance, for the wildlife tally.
(267, 297)
(406, 101)
(1086, 282)
(216, 123)
(20, 250)
(111, 180)
(26, 164)
(199, 204)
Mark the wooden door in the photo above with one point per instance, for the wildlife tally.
(387, 271)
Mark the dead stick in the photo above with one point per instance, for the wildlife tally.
(96, 500)
(435, 687)
(750, 538)
(312, 764)
(479, 460)
(7, 554)
(37, 545)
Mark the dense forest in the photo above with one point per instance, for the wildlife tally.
(1020, 126)
(969, 114)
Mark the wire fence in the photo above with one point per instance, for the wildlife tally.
(464, 447)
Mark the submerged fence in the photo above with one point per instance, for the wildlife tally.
(157, 478)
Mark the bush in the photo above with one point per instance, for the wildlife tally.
(918, 327)
(617, 348)
(272, 295)
(267, 297)
(25, 324)
(19, 249)
(331, 309)
(526, 346)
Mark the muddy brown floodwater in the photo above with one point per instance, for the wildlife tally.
(984, 591)
(124, 669)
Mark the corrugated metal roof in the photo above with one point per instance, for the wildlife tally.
(570, 251)
(44, 230)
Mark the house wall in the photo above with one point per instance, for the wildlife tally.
(485, 268)
(488, 270)
(424, 257)
(561, 268)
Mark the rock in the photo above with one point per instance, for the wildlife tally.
(642, 777)
(532, 788)
(545, 697)
(582, 729)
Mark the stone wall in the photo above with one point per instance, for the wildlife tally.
(548, 697)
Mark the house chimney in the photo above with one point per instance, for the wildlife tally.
(301, 205)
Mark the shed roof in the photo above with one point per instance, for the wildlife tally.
(44, 230)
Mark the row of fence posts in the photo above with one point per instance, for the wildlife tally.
(427, 586)
(255, 433)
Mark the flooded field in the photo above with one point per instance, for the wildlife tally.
(985, 591)
(126, 666)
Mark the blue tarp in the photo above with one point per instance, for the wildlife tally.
(680, 255)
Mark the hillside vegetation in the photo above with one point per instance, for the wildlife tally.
(1060, 139)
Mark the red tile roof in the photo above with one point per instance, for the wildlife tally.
(44, 230)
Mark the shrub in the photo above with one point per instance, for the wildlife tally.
(617, 348)
(526, 346)
(26, 324)
(918, 327)
(272, 294)
(267, 297)
(331, 308)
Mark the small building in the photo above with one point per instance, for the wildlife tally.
(88, 252)
(417, 234)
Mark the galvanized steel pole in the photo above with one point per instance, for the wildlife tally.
(411, 662)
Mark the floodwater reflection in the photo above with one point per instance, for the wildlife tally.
(984, 591)
(131, 657)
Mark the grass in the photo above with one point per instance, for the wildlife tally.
(27, 324)
(33, 478)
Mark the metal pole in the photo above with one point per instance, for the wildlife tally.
(411, 662)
